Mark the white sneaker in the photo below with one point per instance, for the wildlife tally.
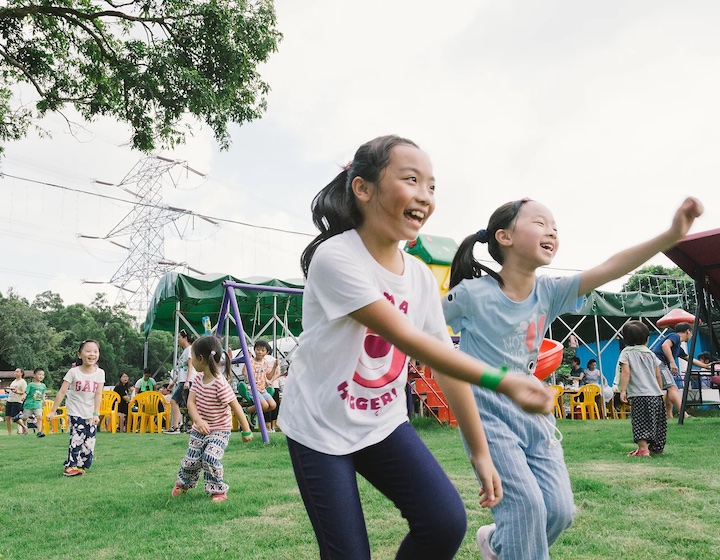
(483, 541)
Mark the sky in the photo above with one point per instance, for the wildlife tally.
(606, 112)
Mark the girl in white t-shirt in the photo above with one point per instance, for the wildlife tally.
(367, 306)
(83, 385)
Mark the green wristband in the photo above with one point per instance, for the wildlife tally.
(491, 378)
(96, 414)
(245, 434)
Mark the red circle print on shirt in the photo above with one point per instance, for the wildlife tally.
(380, 363)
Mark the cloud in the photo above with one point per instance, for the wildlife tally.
(605, 112)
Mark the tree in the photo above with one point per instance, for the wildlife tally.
(656, 279)
(26, 339)
(660, 280)
(144, 62)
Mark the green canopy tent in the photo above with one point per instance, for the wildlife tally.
(597, 325)
(180, 298)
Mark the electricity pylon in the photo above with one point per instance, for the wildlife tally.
(145, 227)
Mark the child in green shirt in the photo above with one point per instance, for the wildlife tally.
(34, 401)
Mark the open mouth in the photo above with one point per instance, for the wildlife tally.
(548, 247)
(415, 215)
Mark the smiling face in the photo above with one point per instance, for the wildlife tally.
(39, 376)
(89, 353)
(401, 202)
(260, 352)
(534, 237)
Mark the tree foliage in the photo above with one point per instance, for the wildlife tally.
(144, 62)
(660, 280)
(26, 338)
(47, 334)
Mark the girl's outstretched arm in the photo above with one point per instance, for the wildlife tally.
(394, 326)
(629, 259)
(462, 403)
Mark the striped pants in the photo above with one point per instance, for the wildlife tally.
(205, 453)
(538, 503)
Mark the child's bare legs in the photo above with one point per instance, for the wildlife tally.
(271, 405)
(23, 425)
(673, 397)
(39, 421)
(8, 423)
(121, 422)
(642, 450)
(264, 406)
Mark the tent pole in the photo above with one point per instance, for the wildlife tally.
(177, 333)
(699, 312)
(599, 355)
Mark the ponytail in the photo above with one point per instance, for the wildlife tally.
(333, 211)
(334, 208)
(465, 265)
(208, 347)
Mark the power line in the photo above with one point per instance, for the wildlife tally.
(217, 218)
(174, 209)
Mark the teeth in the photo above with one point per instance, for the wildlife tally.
(417, 214)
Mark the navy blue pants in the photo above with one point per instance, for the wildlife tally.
(404, 470)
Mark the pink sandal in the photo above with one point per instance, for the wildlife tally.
(639, 453)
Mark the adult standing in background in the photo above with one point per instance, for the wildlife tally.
(124, 389)
(14, 405)
(668, 350)
(184, 372)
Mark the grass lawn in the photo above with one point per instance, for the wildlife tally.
(630, 508)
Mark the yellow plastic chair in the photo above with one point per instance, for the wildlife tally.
(625, 410)
(148, 417)
(558, 410)
(59, 423)
(585, 401)
(109, 409)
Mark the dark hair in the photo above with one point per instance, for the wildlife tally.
(682, 327)
(82, 345)
(575, 360)
(43, 369)
(147, 370)
(334, 209)
(705, 356)
(209, 349)
(591, 361)
(635, 333)
(263, 344)
(465, 265)
(183, 333)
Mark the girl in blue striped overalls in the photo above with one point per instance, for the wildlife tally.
(502, 317)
